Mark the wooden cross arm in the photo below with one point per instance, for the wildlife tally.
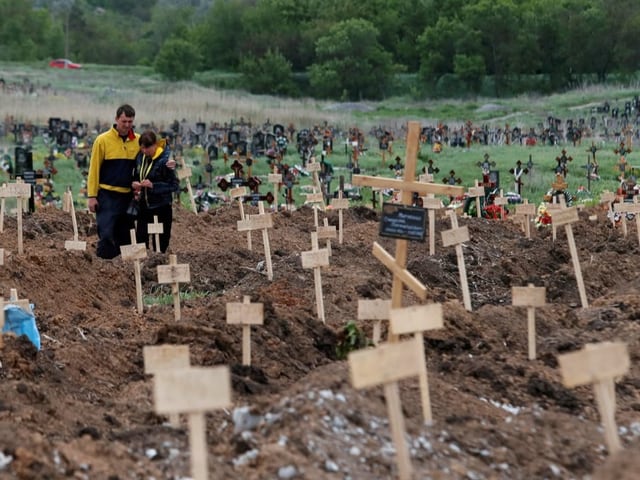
(406, 277)
(405, 186)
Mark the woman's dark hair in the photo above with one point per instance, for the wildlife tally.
(147, 138)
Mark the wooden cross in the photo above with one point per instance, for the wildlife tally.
(625, 208)
(608, 198)
(238, 193)
(263, 221)
(154, 230)
(327, 232)
(566, 217)
(174, 274)
(457, 236)
(315, 199)
(194, 391)
(135, 252)
(160, 358)
(340, 204)
(529, 297)
(501, 201)
(477, 192)
(316, 258)
(245, 314)
(432, 205)
(185, 172)
(526, 211)
(376, 309)
(415, 320)
(314, 167)
(276, 180)
(387, 364)
(599, 364)
(74, 244)
(407, 185)
(21, 191)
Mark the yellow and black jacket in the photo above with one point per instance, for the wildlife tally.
(112, 162)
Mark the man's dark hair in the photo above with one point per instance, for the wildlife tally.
(127, 109)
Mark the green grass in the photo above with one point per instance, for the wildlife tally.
(162, 296)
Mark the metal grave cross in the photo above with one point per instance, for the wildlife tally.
(135, 252)
(245, 314)
(263, 221)
(316, 258)
(174, 274)
(407, 185)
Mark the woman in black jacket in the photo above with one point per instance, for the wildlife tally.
(154, 183)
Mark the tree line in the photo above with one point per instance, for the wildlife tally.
(340, 49)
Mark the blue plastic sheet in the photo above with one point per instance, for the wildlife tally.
(21, 322)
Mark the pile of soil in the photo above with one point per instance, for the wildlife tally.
(82, 406)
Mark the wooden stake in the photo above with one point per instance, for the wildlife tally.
(154, 230)
(160, 358)
(21, 191)
(529, 297)
(599, 364)
(174, 274)
(340, 204)
(415, 320)
(74, 244)
(477, 192)
(263, 221)
(275, 179)
(377, 310)
(432, 205)
(528, 211)
(185, 172)
(245, 314)
(316, 258)
(457, 236)
(135, 252)
(194, 391)
(238, 193)
(327, 232)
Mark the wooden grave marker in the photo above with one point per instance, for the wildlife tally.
(327, 232)
(387, 364)
(135, 252)
(608, 198)
(194, 391)
(316, 258)
(477, 192)
(263, 221)
(526, 211)
(599, 364)
(174, 274)
(566, 217)
(407, 184)
(276, 180)
(1, 256)
(21, 191)
(554, 207)
(501, 201)
(74, 244)
(245, 314)
(432, 205)
(377, 310)
(530, 297)
(238, 193)
(3, 205)
(415, 320)
(185, 172)
(340, 204)
(457, 236)
(160, 358)
(154, 230)
(626, 208)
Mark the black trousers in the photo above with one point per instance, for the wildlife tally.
(114, 225)
(146, 216)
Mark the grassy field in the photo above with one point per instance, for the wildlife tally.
(33, 93)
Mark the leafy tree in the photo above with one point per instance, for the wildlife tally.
(270, 74)
(351, 63)
(219, 34)
(470, 69)
(177, 59)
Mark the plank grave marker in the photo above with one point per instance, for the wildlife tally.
(527, 212)
(184, 172)
(245, 314)
(160, 358)
(377, 310)
(607, 198)
(598, 364)
(135, 252)
(530, 297)
(316, 258)
(239, 193)
(263, 221)
(154, 230)
(21, 191)
(340, 204)
(627, 208)
(74, 244)
(387, 364)
(416, 320)
(327, 232)
(174, 274)
(194, 391)
(457, 236)
(276, 180)
(477, 192)
(432, 205)
(566, 217)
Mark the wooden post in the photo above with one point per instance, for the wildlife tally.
(608, 198)
(238, 193)
(566, 217)
(314, 199)
(457, 236)
(529, 297)
(501, 201)
(1, 256)
(376, 309)
(327, 232)
(316, 258)
(340, 204)
(275, 179)
(387, 364)
(625, 208)
(415, 320)
(185, 172)
(527, 211)
(263, 221)
(599, 364)
(74, 244)
(159, 358)
(194, 391)
(477, 192)
(21, 191)
(154, 230)
(554, 207)
(135, 252)
(432, 205)
(2, 206)
(174, 274)
(245, 314)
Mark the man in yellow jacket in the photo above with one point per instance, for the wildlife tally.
(109, 182)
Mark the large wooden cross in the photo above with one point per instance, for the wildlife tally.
(407, 185)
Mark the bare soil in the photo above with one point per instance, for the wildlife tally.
(82, 406)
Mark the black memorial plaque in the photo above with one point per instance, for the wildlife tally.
(403, 222)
